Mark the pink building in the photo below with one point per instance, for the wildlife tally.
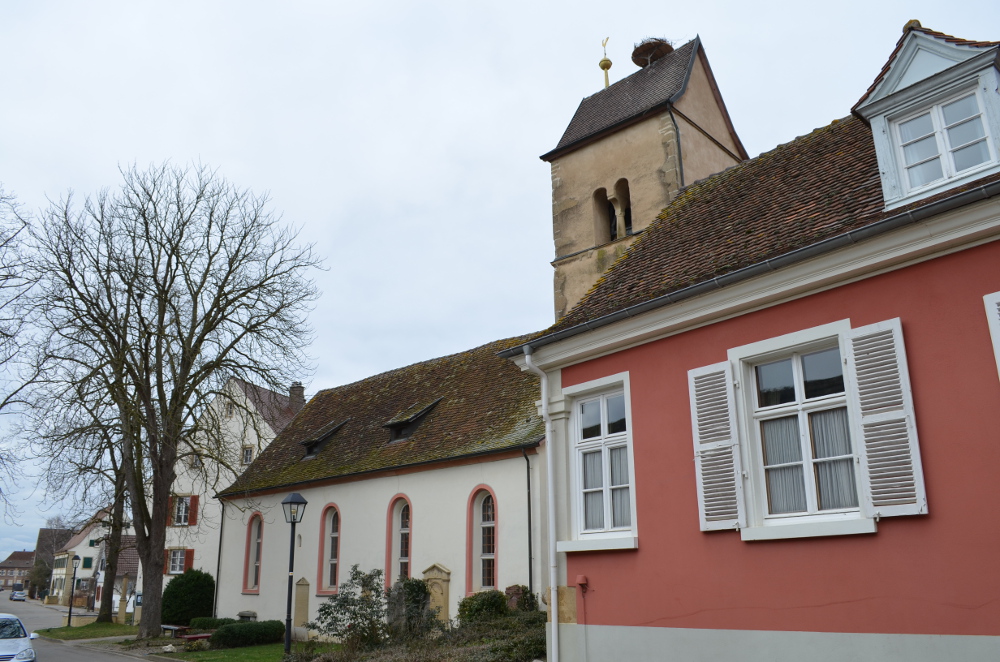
(772, 424)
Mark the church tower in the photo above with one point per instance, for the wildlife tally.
(625, 154)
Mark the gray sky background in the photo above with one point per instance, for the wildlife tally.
(401, 137)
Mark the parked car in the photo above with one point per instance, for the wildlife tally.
(15, 642)
(18, 596)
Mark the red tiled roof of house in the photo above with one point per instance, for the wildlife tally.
(23, 559)
(275, 408)
(814, 188)
(914, 26)
(485, 404)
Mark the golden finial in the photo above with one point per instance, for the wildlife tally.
(605, 64)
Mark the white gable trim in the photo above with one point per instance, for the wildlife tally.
(922, 56)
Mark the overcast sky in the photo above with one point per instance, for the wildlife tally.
(401, 137)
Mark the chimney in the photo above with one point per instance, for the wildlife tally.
(297, 396)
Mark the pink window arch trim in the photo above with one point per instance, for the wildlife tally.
(247, 589)
(321, 588)
(389, 535)
(471, 528)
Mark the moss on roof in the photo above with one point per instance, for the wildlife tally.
(486, 405)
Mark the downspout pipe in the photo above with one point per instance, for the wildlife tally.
(218, 562)
(550, 505)
(531, 553)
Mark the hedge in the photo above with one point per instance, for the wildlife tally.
(248, 633)
(209, 623)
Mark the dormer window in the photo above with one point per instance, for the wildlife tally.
(934, 115)
(322, 438)
(943, 141)
(405, 423)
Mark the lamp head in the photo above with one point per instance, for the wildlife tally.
(294, 506)
(76, 561)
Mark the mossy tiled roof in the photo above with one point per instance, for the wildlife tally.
(816, 187)
(486, 405)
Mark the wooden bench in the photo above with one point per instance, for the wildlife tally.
(174, 630)
(194, 637)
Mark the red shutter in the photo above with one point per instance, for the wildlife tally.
(166, 561)
(193, 515)
(170, 511)
(188, 559)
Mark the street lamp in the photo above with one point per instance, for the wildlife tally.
(72, 591)
(295, 507)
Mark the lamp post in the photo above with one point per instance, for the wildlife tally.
(72, 591)
(294, 506)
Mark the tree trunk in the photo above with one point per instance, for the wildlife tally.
(106, 613)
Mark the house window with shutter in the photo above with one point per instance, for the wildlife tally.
(176, 564)
(182, 510)
(992, 302)
(808, 434)
(603, 495)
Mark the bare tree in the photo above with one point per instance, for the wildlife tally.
(152, 297)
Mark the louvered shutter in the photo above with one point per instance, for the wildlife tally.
(992, 302)
(718, 471)
(889, 455)
(170, 511)
(193, 511)
(188, 559)
(166, 561)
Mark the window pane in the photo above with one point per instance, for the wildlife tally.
(823, 373)
(619, 466)
(404, 517)
(970, 156)
(780, 438)
(775, 384)
(616, 414)
(957, 111)
(916, 128)
(333, 574)
(835, 482)
(590, 419)
(925, 173)
(404, 545)
(489, 540)
(335, 523)
(593, 510)
(786, 491)
(592, 472)
(488, 512)
(621, 509)
(830, 436)
(488, 573)
(920, 150)
(966, 132)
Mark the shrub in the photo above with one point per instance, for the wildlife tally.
(195, 645)
(209, 623)
(357, 613)
(248, 633)
(188, 596)
(482, 606)
(409, 613)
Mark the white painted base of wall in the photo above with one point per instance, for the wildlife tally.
(599, 643)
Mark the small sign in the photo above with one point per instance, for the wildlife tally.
(138, 599)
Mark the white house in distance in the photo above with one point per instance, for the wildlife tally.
(424, 471)
(250, 417)
(88, 545)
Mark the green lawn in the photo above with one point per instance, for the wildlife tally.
(91, 631)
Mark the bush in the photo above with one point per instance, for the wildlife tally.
(248, 633)
(209, 623)
(195, 645)
(409, 612)
(188, 596)
(357, 613)
(482, 606)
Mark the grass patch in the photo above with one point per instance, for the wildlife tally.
(90, 631)
(265, 653)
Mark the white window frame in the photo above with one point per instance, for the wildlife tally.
(940, 134)
(176, 567)
(246, 457)
(332, 555)
(479, 556)
(182, 510)
(992, 302)
(609, 537)
(760, 524)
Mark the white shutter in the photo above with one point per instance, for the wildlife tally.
(883, 405)
(993, 319)
(716, 448)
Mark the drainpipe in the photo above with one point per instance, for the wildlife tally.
(531, 554)
(218, 562)
(551, 505)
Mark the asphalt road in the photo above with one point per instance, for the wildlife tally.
(35, 617)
